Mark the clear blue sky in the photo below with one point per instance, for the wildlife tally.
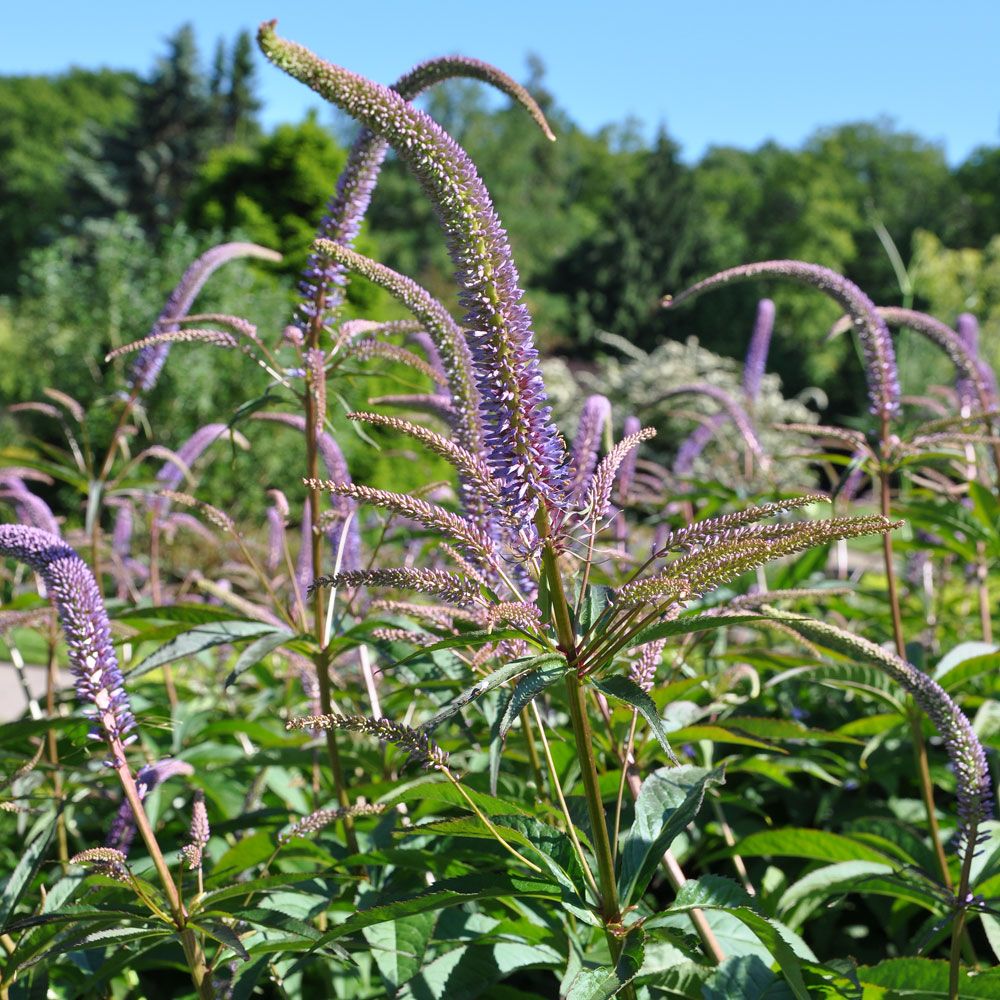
(713, 72)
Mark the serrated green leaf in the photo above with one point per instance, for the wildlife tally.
(256, 652)
(623, 688)
(606, 982)
(712, 892)
(816, 845)
(200, 638)
(525, 691)
(925, 979)
(491, 681)
(398, 946)
(596, 600)
(449, 892)
(26, 869)
(668, 800)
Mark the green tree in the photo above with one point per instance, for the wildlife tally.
(45, 123)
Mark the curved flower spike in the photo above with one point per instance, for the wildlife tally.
(524, 449)
(74, 592)
(974, 789)
(147, 366)
(873, 334)
(739, 416)
(959, 352)
(445, 333)
(321, 280)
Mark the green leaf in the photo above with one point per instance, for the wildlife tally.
(816, 845)
(692, 623)
(204, 637)
(491, 681)
(623, 688)
(668, 800)
(746, 977)
(711, 892)
(256, 652)
(398, 946)
(525, 691)
(467, 971)
(191, 614)
(924, 979)
(449, 892)
(225, 935)
(596, 600)
(608, 981)
(27, 868)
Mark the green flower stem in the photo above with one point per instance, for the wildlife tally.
(200, 975)
(583, 738)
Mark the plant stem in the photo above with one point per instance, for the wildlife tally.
(609, 906)
(53, 746)
(193, 952)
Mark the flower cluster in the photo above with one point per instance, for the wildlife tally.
(84, 620)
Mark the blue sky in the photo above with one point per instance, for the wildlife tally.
(714, 73)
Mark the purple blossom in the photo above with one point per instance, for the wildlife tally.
(123, 829)
(336, 468)
(626, 471)
(28, 506)
(755, 363)
(968, 333)
(736, 413)
(323, 279)
(74, 593)
(175, 469)
(148, 364)
(523, 448)
(595, 415)
(873, 334)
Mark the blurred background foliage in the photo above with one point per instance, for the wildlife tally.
(111, 183)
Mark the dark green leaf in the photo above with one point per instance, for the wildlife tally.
(203, 637)
(256, 652)
(623, 688)
(668, 800)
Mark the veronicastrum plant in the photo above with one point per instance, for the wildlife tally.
(517, 623)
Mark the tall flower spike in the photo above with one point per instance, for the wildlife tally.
(147, 366)
(755, 362)
(595, 415)
(447, 337)
(523, 447)
(320, 285)
(873, 334)
(175, 470)
(74, 592)
(967, 329)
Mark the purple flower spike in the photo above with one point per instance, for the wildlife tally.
(148, 364)
(737, 414)
(174, 470)
(123, 828)
(760, 341)
(27, 505)
(873, 334)
(967, 328)
(626, 472)
(77, 600)
(323, 278)
(524, 450)
(595, 415)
